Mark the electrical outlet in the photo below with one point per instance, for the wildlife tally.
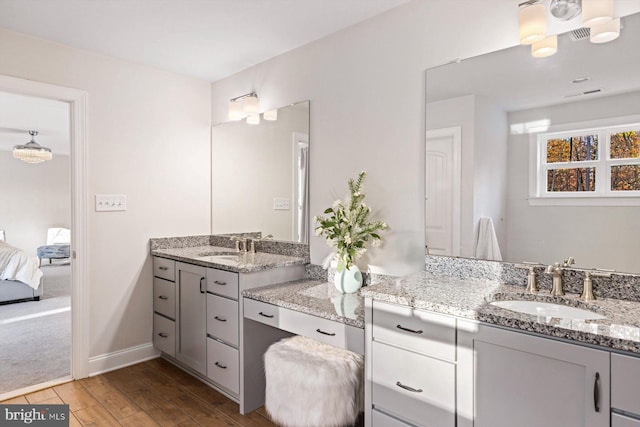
(111, 202)
(281, 204)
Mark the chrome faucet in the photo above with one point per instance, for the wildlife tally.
(556, 271)
(253, 245)
(241, 243)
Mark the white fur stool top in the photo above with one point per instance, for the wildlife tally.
(312, 384)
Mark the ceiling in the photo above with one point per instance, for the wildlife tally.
(515, 80)
(20, 114)
(207, 39)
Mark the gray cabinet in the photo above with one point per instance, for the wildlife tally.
(428, 369)
(529, 381)
(164, 306)
(412, 367)
(625, 391)
(191, 322)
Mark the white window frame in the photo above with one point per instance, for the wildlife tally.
(603, 195)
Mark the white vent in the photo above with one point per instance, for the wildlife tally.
(579, 34)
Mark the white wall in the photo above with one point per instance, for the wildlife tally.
(33, 197)
(148, 138)
(366, 86)
(605, 237)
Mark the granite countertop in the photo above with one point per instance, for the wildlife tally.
(228, 259)
(313, 297)
(470, 299)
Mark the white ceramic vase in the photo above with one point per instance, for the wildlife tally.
(348, 281)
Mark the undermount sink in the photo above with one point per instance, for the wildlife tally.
(218, 256)
(547, 309)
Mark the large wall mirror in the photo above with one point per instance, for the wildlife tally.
(485, 118)
(260, 176)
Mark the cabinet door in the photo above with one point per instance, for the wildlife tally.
(526, 381)
(191, 321)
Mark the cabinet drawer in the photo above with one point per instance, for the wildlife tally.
(223, 365)
(618, 420)
(378, 419)
(164, 297)
(222, 318)
(625, 383)
(262, 312)
(416, 330)
(164, 334)
(317, 328)
(164, 268)
(222, 282)
(413, 386)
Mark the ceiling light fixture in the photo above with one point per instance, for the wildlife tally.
(246, 105)
(597, 22)
(32, 152)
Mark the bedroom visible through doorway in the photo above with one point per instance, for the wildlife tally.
(35, 330)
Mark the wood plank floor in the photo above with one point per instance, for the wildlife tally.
(152, 393)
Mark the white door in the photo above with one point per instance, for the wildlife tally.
(442, 222)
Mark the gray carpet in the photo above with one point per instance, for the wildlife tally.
(35, 336)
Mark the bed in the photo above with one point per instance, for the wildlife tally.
(20, 277)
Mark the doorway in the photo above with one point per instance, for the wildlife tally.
(76, 264)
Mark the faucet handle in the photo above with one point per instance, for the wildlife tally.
(568, 262)
(599, 272)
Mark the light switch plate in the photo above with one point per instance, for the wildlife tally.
(111, 202)
(280, 204)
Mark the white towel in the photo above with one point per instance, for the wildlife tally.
(487, 247)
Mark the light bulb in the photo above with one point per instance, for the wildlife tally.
(605, 32)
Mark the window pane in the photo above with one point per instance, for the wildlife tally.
(572, 149)
(625, 178)
(578, 179)
(625, 145)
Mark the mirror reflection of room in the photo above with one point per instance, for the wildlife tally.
(551, 147)
(260, 175)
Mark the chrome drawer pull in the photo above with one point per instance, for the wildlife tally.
(220, 366)
(163, 335)
(331, 334)
(268, 316)
(220, 319)
(406, 387)
(217, 282)
(413, 331)
(163, 268)
(163, 297)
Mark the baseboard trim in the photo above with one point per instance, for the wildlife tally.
(121, 358)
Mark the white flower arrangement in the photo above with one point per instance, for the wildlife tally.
(347, 227)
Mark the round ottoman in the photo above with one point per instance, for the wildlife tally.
(313, 384)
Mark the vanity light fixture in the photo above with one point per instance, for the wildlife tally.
(533, 22)
(597, 22)
(605, 32)
(596, 12)
(545, 47)
(32, 152)
(246, 105)
(270, 115)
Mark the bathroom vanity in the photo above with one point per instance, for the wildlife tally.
(197, 314)
(439, 348)
(439, 353)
